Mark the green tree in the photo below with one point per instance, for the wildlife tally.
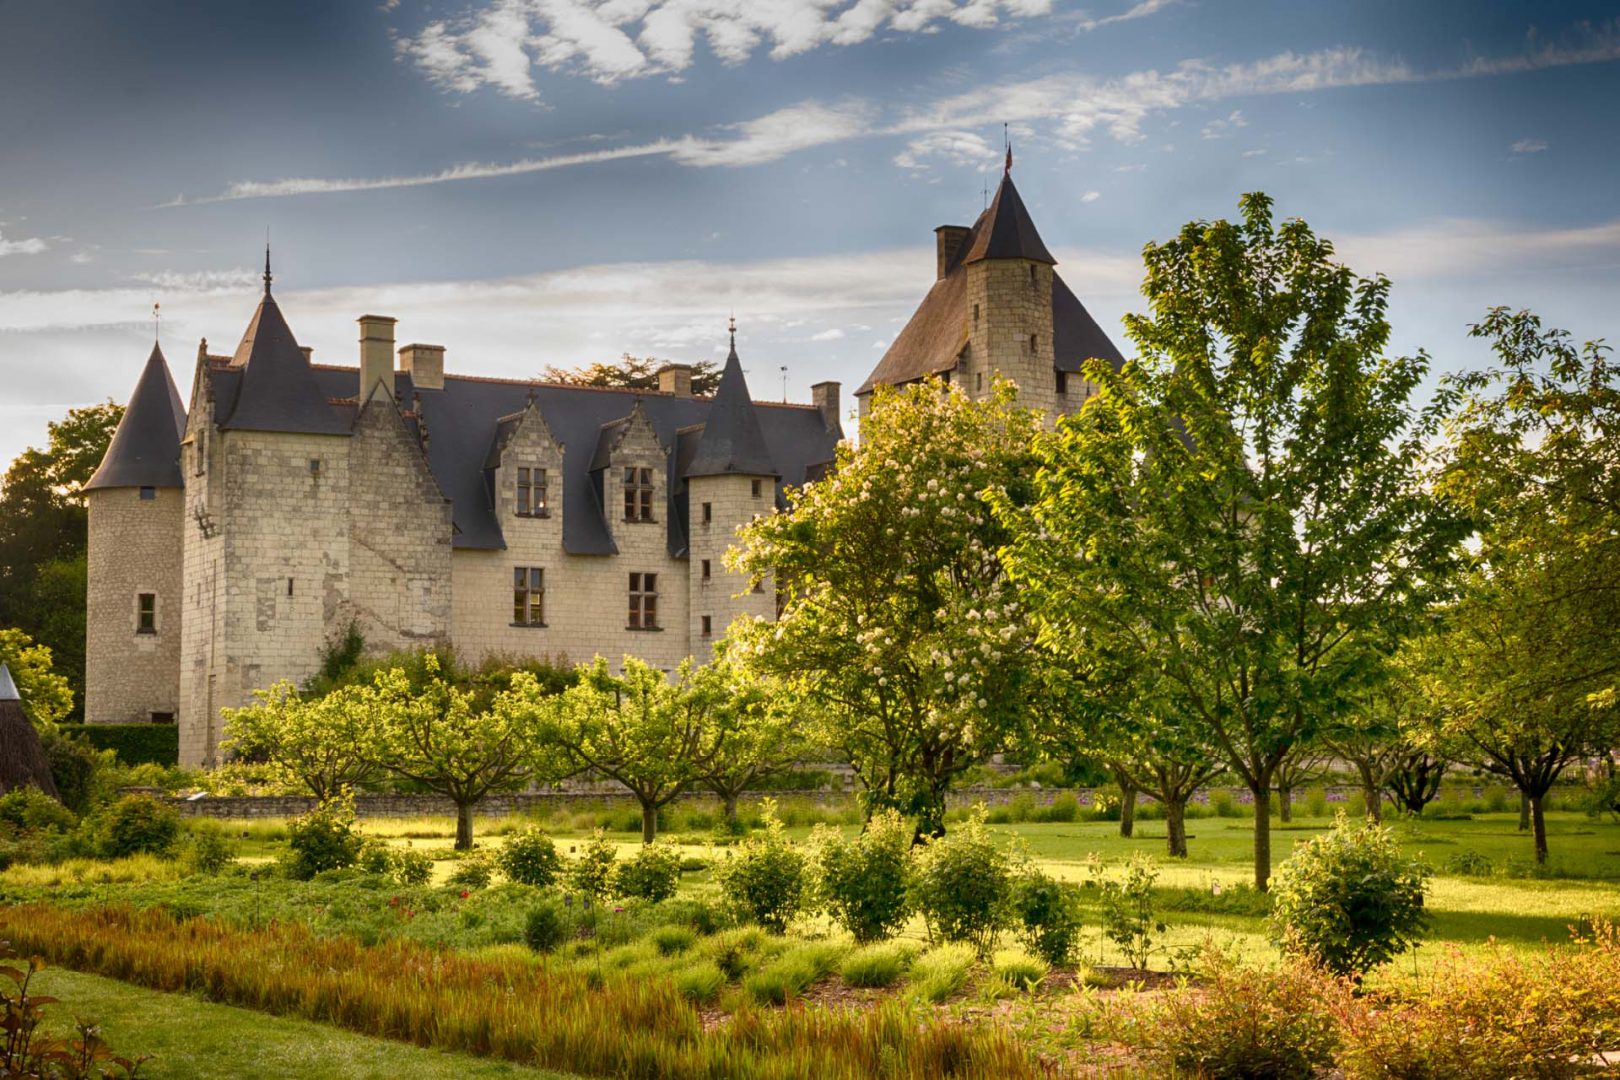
(46, 696)
(1528, 665)
(638, 729)
(898, 629)
(43, 534)
(632, 373)
(756, 731)
(1248, 496)
(451, 742)
(326, 743)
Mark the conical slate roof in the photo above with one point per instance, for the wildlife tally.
(145, 450)
(22, 759)
(732, 441)
(278, 390)
(1006, 232)
(8, 687)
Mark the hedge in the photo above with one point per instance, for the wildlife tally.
(135, 744)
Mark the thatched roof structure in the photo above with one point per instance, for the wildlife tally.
(22, 758)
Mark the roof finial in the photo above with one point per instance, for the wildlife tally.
(731, 328)
(156, 322)
(1006, 137)
(267, 262)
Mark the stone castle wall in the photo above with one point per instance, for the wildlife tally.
(724, 595)
(134, 547)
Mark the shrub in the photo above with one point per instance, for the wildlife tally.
(963, 886)
(1240, 1024)
(1470, 864)
(75, 766)
(530, 858)
(31, 809)
(863, 882)
(547, 926)
(1064, 808)
(1018, 968)
(135, 744)
(29, 1052)
(134, 824)
(878, 966)
(592, 872)
(700, 982)
(412, 867)
(941, 972)
(375, 858)
(211, 849)
(323, 839)
(1048, 916)
(473, 871)
(652, 874)
(768, 880)
(1348, 900)
(1127, 908)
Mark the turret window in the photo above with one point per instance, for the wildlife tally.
(643, 602)
(528, 596)
(532, 494)
(638, 494)
(708, 626)
(706, 568)
(708, 513)
(1062, 383)
(146, 613)
(148, 493)
(1032, 344)
(757, 488)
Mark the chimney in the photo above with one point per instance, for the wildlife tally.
(309, 353)
(675, 379)
(824, 395)
(424, 364)
(376, 354)
(948, 241)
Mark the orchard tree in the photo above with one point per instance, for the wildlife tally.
(456, 742)
(898, 628)
(1247, 496)
(325, 743)
(638, 728)
(755, 731)
(46, 696)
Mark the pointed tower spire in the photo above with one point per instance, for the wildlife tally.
(1005, 231)
(732, 441)
(145, 450)
(267, 268)
(277, 389)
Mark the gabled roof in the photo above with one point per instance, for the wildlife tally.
(145, 450)
(932, 341)
(732, 442)
(278, 390)
(1005, 230)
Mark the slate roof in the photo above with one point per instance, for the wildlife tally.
(276, 389)
(145, 449)
(934, 338)
(8, 688)
(467, 420)
(732, 442)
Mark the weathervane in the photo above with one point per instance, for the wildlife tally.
(267, 262)
(1006, 137)
(156, 321)
(731, 328)
(784, 384)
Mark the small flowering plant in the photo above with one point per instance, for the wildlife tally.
(897, 622)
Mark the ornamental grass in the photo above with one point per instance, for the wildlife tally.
(608, 1024)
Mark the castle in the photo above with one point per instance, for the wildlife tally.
(231, 540)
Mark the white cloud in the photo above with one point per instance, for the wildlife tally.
(832, 334)
(1139, 10)
(501, 44)
(1220, 127)
(1091, 196)
(31, 246)
(1467, 248)
(1069, 107)
(201, 280)
(1529, 146)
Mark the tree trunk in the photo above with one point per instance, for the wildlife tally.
(1127, 810)
(1285, 802)
(464, 835)
(729, 807)
(1524, 812)
(649, 822)
(1371, 793)
(1539, 817)
(1262, 834)
(1175, 820)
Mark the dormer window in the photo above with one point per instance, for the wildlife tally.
(531, 493)
(638, 494)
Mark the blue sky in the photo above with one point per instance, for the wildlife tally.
(536, 182)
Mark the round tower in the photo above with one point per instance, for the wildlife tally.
(136, 506)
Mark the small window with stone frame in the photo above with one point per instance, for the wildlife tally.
(757, 488)
(148, 493)
(638, 494)
(707, 567)
(531, 493)
(708, 626)
(528, 596)
(708, 513)
(643, 602)
(146, 613)
(1062, 383)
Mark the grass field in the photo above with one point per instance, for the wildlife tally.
(190, 1039)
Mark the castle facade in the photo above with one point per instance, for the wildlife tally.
(232, 539)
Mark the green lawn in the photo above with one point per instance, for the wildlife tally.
(190, 1039)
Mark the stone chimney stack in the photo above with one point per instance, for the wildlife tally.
(309, 353)
(948, 240)
(824, 395)
(675, 379)
(424, 364)
(376, 354)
